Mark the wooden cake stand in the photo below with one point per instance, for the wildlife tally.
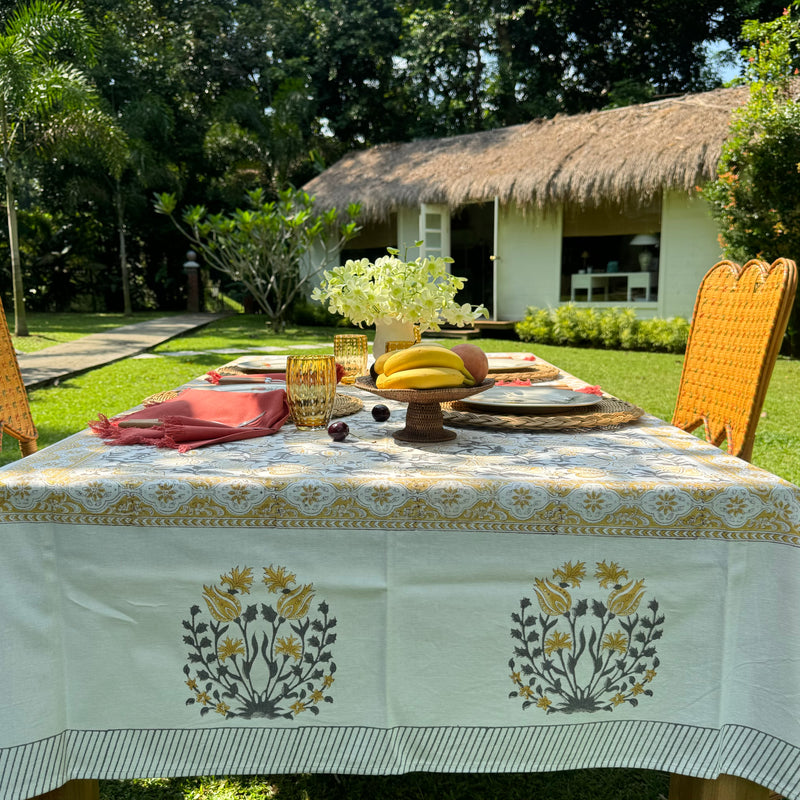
(424, 421)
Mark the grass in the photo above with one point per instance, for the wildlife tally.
(588, 784)
(647, 379)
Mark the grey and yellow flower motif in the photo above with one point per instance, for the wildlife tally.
(238, 580)
(229, 648)
(585, 654)
(558, 641)
(277, 579)
(222, 604)
(573, 575)
(553, 599)
(624, 601)
(294, 603)
(268, 659)
(615, 641)
(289, 646)
(610, 574)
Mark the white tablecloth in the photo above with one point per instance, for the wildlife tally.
(502, 602)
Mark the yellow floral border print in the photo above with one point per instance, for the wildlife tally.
(252, 660)
(568, 660)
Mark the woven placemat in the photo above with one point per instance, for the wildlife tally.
(343, 404)
(534, 373)
(608, 413)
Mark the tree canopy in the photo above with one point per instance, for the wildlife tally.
(221, 97)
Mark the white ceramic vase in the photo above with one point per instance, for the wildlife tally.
(391, 330)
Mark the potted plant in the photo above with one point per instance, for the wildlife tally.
(395, 294)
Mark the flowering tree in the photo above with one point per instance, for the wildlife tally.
(755, 198)
(264, 246)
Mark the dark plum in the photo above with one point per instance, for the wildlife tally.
(380, 412)
(338, 431)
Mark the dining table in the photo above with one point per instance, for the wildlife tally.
(520, 598)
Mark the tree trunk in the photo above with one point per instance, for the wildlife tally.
(123, 251)
(20, 321)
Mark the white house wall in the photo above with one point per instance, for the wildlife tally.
(528, 260)
(689, 248)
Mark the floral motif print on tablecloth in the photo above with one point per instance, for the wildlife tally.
(252, 660)
(585, 654)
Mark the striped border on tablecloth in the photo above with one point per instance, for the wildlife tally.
(40, 766)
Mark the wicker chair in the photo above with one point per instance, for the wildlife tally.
(739, 319)
(15, 412)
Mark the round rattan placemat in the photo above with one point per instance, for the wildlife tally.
(606, 414)
(534, 373)
(343, 404)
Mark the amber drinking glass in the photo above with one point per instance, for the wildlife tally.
(350, 351)
(398, 345)
(310, 390)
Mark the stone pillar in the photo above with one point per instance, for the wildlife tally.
(192, 270)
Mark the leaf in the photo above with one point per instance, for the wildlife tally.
(269, 613)
(515, 634)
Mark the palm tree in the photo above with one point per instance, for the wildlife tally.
(43, 96)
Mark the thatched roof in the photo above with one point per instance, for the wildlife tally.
(611, 155)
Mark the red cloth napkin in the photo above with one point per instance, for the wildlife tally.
(198, 417)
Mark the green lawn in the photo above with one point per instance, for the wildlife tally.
(647, 379)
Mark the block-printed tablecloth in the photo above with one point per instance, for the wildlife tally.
(501, 602)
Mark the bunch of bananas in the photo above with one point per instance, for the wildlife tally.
(423, 366)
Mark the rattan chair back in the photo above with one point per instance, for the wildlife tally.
(740, 316)
(15, 411)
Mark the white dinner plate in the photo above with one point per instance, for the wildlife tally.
(530, 399)
(263, 363)
(507, 364)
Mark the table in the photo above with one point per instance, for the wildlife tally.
(501, 602)
(590, 281)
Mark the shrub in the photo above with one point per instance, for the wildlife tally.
(612, 328)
